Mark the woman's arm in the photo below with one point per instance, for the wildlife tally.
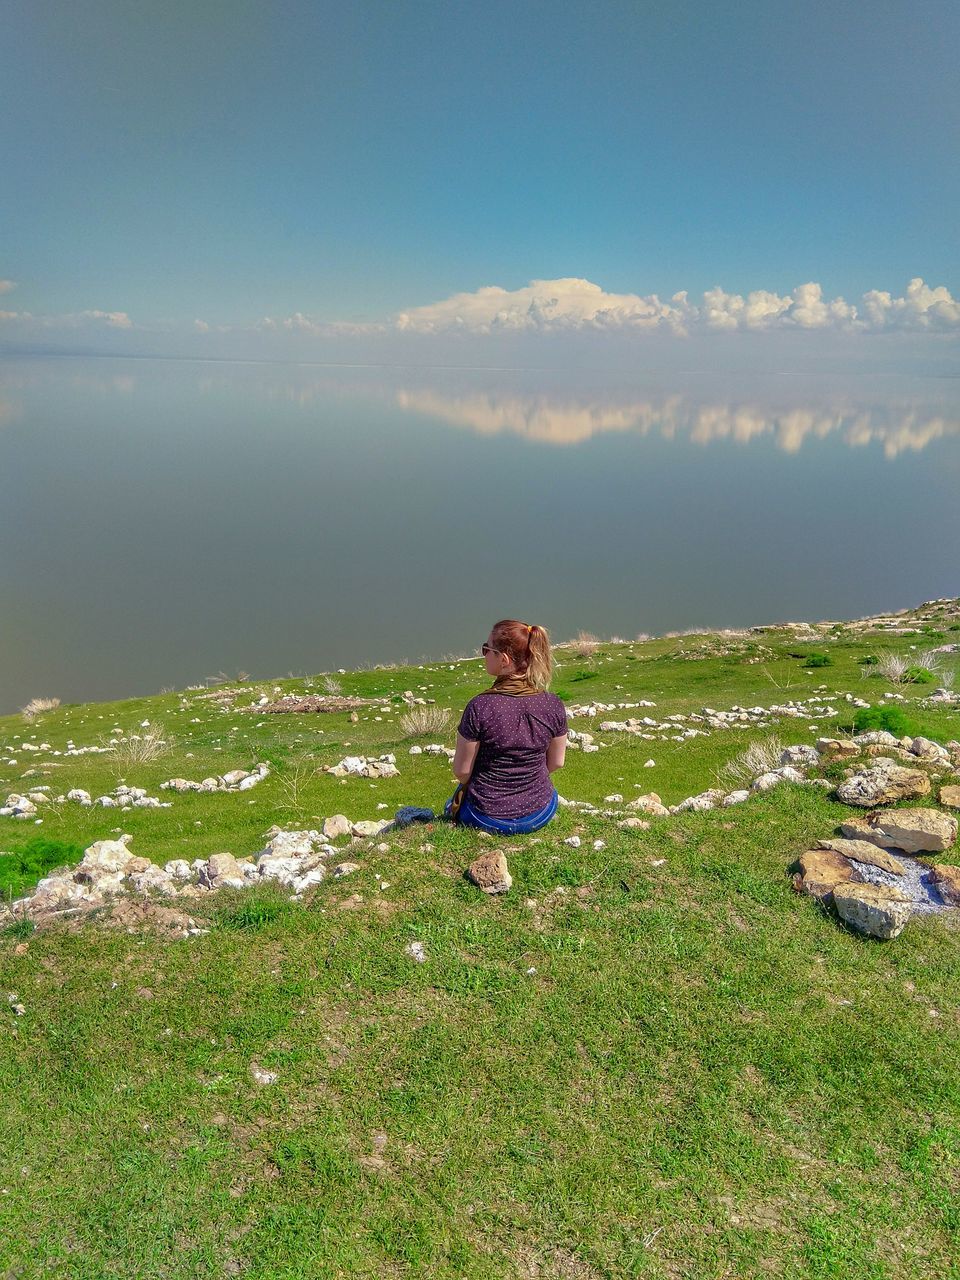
(556, 752)
(464, 757)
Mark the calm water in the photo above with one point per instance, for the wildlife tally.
(162, 521)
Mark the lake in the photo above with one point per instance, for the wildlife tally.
(164, 521)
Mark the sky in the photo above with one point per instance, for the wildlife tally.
(480, 181)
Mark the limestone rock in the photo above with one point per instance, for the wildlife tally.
(947, 880)
(864, 851)
(153, 878)
(700, 804)
(913, 830)
(345, 869)
(336, 826)
(802, 757)
(369, 828)
(950, 796)
(823, 871)
(876, 910)
(490, 872)
(882, 783)
(223, 872)
(178, 869)
(634, 824)
(105, 856)
(836, 748)
(735, 797)
(649, 803)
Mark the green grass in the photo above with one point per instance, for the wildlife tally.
(650, 1059)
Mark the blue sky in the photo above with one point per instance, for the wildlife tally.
(231, 162)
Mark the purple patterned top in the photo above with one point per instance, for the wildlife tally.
(510, 778)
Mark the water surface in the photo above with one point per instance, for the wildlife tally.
(163, 521)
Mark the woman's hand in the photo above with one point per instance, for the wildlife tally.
(464, 756)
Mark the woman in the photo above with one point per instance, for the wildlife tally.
(512, 736)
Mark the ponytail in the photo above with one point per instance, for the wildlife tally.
(528, 646)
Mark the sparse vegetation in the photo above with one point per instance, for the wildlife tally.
(421, 722)
(759, 757)
(585, 645)
(137, 748)
(819, 660)
(36, 707)
(332, 685)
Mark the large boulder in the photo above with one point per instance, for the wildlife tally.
(876, 910)
(912, 830)
(864, 851)
(884, 782)
(823, 871)
(105, 857)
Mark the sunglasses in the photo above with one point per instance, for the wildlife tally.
(486, 648)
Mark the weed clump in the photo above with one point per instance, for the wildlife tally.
(819, 660)
(892, 719)
(424, 720)
(253, 914)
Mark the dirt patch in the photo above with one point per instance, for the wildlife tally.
(148, 917)
(313, 702)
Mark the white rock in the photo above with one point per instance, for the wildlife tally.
(178, 869)
(735, 797)
(650, 764)
(416, 951)
(79, 796)
(573, 842)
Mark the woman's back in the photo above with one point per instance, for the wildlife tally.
(510, 777)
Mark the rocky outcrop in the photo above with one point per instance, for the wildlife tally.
(910, 830)
(822, 871)
(884, 782)
(865, 852)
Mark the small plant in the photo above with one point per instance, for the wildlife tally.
(140, 748)
(36, 706)
(891, 667)
(253, 914)
(759, 757)
(947, 678)
(20, 930)
(419, 721)
(892, 719)
(332, 685)
(918, 675)
(868, 660)
(585, 645)
(584, 675)
(819, 660)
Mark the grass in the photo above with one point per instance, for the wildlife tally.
(650, 1059)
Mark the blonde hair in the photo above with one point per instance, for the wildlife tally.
(529, 648)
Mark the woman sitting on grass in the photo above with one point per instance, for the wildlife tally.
(511, 737)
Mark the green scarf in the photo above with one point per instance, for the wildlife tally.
(517, 686)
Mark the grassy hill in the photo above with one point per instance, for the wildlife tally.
(651, 1058)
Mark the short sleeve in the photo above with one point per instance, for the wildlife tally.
(560, 718)
(470, 726)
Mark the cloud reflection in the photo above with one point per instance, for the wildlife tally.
(897, 427)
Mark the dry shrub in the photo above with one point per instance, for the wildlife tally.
(38, 705)
(759, 757)
(332, 685)
(892, 667)
(140, 748)
(419, 721)
(585, 645)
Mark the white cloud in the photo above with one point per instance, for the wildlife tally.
(112, 319)
(7, 285)
(201, 326)
(571, 303)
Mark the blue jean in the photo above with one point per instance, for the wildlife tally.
(470, 817)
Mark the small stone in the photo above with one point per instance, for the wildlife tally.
(573, 842)
(876, 910)
(634, 824)
(735, 797)
(416, 951)
(649, 803)
(490, 872)
(345, 869)
(950, 796)
(262, 1075)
